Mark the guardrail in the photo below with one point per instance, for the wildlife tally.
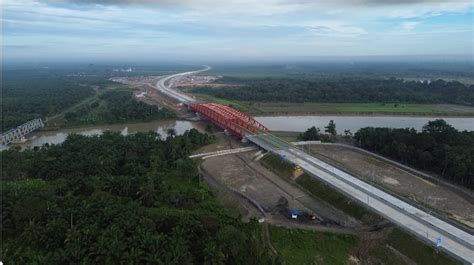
(405, 208)
(406, 200)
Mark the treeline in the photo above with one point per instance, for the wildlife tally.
(114, 106)
(343, 90)
(438, 148)
(29, 94)
(114, 199)
(314, 134)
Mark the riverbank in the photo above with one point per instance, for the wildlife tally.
(290, 125)
(300, 123)
(105, 124)
(38, 138)
(360, 109)
(344, 109)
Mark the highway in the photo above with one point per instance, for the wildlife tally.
(454, 241)
(425, 226)
(241, 150)
(166, 89)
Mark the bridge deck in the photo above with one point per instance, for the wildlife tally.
(232, 120)
(425, 226)
(19, 132)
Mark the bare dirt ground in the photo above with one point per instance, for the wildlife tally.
(239, 172)
(402, 182)
(253, 180)
(196, 80)
(145, 90)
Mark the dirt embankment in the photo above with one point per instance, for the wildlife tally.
(250, 183)
(145, 90)
(413, 187)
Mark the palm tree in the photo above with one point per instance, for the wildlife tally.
(171, 132)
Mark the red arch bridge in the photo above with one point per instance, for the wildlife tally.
(418, 222)
(229, 119)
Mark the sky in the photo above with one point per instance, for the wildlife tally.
(134, 30)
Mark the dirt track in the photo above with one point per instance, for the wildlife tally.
(239, 172)
(399, 181)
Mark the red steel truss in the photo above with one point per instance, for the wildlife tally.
(229, 119)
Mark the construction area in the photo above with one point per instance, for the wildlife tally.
(288, 198)
(454, 203)
(246, 184)
(264, 195)
(144, 89)
(241, 172)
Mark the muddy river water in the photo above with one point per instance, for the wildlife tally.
(58, 136)
(354, 123)
(278, 123)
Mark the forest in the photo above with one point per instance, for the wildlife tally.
(347, 89)
(29, 94)
(114, 199)
(438, 148)
(115, 106)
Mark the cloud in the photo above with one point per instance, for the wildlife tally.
(335, 29)
(232, 2)
(173, 27)
(409, 25)
(405, 2)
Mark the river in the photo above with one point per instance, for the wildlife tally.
(39, 138)
(354, 123)
(278, 123)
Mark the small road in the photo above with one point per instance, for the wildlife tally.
(425, 226)
(164, 86)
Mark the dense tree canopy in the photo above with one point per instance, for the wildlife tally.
(343, 90)
(314, 134)
(114, 106)
(32, 94)
(439, 148)
(114, 199)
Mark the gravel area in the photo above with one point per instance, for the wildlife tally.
(404, 183)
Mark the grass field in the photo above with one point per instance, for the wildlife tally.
(298, 247)
(242, 106)
(265, 108)
(416, 250)
(322, 191)
(284, 108)
(338, 200)
(293, 246)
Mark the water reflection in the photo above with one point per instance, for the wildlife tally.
(354, 123)
(55, 137)
(277, 123)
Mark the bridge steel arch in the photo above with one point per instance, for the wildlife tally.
(229, 119)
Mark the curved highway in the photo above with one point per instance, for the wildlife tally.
(162, 86)
(425, 226)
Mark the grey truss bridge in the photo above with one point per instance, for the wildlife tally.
(17, 134)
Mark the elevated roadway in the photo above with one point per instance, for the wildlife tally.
(425, 226)
(431, 229)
